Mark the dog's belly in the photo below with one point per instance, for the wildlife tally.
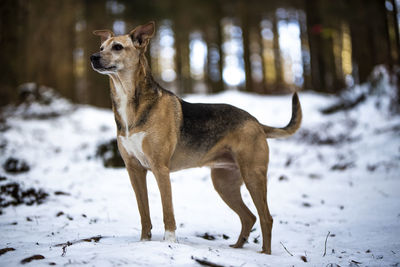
(133, 146)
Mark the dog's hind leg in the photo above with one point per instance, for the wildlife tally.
(253, 168)
(258, 191)
(227, 183)
(137, 175)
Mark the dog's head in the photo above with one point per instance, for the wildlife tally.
(119, 53)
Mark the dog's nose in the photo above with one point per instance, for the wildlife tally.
(95, 57)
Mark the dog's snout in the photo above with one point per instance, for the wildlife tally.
(95, 57)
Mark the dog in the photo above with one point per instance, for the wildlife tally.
(158, 131)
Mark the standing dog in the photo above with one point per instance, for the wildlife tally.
(160, 132)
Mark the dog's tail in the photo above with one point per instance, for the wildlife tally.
(292, 127)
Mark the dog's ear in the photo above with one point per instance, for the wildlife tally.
(104, 34)
(142, 34)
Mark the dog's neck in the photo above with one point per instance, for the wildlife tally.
(127, 87)
(123, 85)
(126, 82)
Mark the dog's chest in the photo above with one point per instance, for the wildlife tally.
(133, 145)
(123, 110)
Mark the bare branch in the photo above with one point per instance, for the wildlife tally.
(326, 240)
(286, 249)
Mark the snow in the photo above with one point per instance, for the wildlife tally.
(349, 188)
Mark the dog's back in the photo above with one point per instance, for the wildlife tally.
(203, 125)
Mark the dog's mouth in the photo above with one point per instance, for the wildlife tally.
(100, 68)
(110, 68)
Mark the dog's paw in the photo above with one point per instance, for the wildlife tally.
(145, 239)
(169, 236)
(265, 251)
(145, 236)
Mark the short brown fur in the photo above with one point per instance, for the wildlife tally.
(236, 150)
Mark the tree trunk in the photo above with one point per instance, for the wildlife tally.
(246, 46)
(220, 86)
(396, 30)
(370, 39)
(279, 83)
(12, 24)
(323, 68)
(181, 26)
(263, 84)
(305, 53)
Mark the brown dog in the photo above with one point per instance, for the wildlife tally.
(160, 132)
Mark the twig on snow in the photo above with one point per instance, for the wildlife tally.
(286, 249)
(70, 243)
(326, 240)
(205, 262)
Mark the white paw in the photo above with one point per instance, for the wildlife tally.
(169, 236)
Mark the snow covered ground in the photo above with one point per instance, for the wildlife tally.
(339, 174)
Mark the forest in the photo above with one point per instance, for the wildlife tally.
(202, 46)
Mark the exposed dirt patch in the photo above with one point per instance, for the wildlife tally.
(315, 138)
(304, 258)
(283, 178)
(59, 213)
(224, 236)
(12, 194)
(109, 153)
(32, 258)
(14, 165)
(342, 166)
(93, 238)
(5, 250)
(207, 236)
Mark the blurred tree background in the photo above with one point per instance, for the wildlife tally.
(201, 46)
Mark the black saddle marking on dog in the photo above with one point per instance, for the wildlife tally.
(205, 124)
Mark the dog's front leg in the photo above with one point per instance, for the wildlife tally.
(137, 175)
(164, 184)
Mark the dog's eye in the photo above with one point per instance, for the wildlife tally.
(101, 48)
(117, 47)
